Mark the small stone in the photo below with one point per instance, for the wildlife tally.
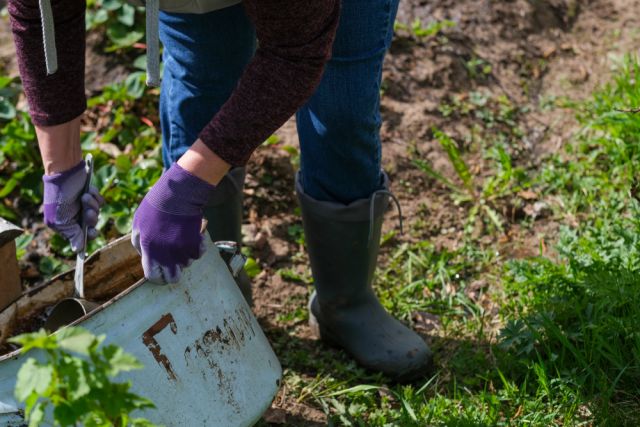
(253, 237)
(261, 240)
(579, 75)
(474, 289)
(537, 210)
(528, 195)
(249, 229)
(279, 248)
(249, 232)
(426, 322)
(275, 416)
(548, 51)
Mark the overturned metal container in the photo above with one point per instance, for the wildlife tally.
(207, 361)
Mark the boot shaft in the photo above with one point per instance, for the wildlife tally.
(224, 209)
(343, 242)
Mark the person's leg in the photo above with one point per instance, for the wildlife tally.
(339, 126)
(344, 193)
(204, 56)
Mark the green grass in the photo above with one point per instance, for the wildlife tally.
(578, 317)
(563, 347)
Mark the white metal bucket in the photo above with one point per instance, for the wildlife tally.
(207, 361)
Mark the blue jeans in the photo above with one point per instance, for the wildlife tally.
(204, 56)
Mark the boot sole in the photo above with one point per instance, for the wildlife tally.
(327, 337)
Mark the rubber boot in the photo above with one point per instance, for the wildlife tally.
(224, 215)
(343, 243)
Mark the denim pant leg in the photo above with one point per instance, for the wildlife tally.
(339, 128)
(204, 56)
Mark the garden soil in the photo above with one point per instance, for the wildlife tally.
(536, 50)
(526, 51)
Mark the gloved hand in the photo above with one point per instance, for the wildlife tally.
(63, 202)
(166, 226)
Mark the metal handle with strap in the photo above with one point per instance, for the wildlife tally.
(79, 276)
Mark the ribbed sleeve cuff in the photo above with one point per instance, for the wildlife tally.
(58, 118)
(233, 152)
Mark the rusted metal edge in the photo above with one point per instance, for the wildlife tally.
(63, 278)
(8, 232)
(86, 316)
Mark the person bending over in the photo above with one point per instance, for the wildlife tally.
(233, 75)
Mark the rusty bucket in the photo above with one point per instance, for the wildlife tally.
(207, 361)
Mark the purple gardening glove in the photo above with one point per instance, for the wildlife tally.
(166, 226)
(63, 202)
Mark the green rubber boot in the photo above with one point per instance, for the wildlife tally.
(343, 243)
(224, 215)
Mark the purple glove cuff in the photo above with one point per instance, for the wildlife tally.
(187, 194)
(53, 183)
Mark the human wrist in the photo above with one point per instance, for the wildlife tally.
(60, 146)
(60, 165)
(59, 178)
(200, 161)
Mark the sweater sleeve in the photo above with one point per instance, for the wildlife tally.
(295, 39)
(60, 97)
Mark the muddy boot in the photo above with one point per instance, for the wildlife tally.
(343, 243)
(224, 214)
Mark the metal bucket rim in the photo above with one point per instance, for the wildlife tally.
(100, 308)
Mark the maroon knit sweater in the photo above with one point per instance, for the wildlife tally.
(295, 39)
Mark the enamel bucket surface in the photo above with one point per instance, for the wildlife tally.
(206, 360)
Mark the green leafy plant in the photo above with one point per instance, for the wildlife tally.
(73, 382)
(126, 151)
(481, 194)
(579, 317)
(8, 93)
(478, 68)
(123, 22)
(495, 180)
(420, 31)
(20, 165)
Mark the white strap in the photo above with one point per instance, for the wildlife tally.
(48, 36)
(153, 43)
